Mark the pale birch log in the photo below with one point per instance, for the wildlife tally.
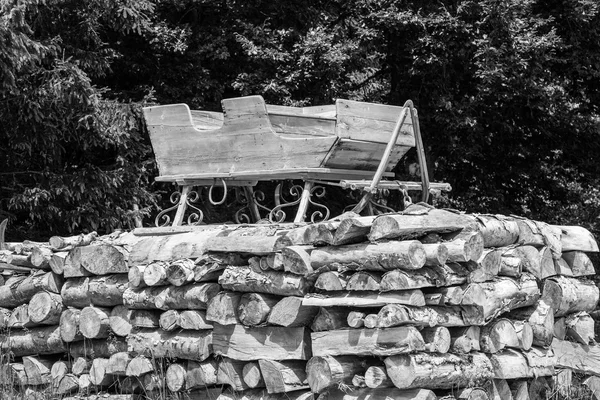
(464, 246)
(510, 265)
(21, 289)
(283, 376)
(524, 335)
(45, 308)
(261, 394)
(38, 370)
(67, 384)
(98, 375)
(142, 298)
(139, 366)
(541, 318)
(577, 238)
(579, 262)
(190, 345)
(437, 371)
(40, 257)
(43, 340)
(135, 277)
(580, 327)
(568, 295)
(57, 262)
(486, 267)
(497, 230)
(194, 296)
(537, 261)
(376, 377)
(513, 364)
(324, 372)
(97, 348)
(214, 263)
(245, 279)
(436, 254)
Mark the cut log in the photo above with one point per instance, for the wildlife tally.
(4, 317)
(175, 377)
(356, 319)
(189, 297)
(40, 257)
(498, 230)
(436, 254)
(510, 265)
(135, 277)
(67, 384)
(593, 384)
(568, 295)
(268, 342)
(560, 328)
(145, 319)
(223, 308)
(541, 318)
(252, 375)
(19, 318)
(245, 279)
(365, 299)
(169, 320)
(254, 308)
(397, 315)
(120, 320)
(117, 363)
(84, 384)
(15, 373)
(201, 374)
(194, 320)
(37, 370)
(329, 319)
(539, 388)
(524, 335)
(289, 311)
(139, 366)
(562, 268)
(332, 281)
(61, 243)
(366, 342)
(579, 262)
(562, 382)
(580, 327)
(94, 322)
(45, 308)
(371, 321)
(296, 260)
(437, 339)
(231, 372)
(59, 369)
(141, 298)
(324, 372)
(153, 382)
(181, 272)
(465, 246)
(364, 281)
(69, 325)
(376, 377)
(497, 335)
(502, 294)
(215, 263)
(57, 262)
(437, 371)
(189, 345)
(98, 375)
(352, 229)
(486, 267)
(284, 376)
(538, 262)
(379, 394)
(385, 256)
(44, 340)
(102, 259)
(577, 238)
(446, 275)
(463, 340)
(155, 274)
(238, 243)
(498, 389)
(407, 226)
(103, 291)
(512, 364)
(22, 289)
(97, 348)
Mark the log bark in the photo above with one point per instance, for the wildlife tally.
(397, 315)
(141, 298)
(139, 366)
(579, 262)
(19, 318)
(365, 299)
(437, 371)
(324, 372)
(194, 320)
(66, 243)
(436, 254)
(497, 230)
(181, 272)
(407, 226)
(366, 342)
(20, 290)
(283, 376)
(446, 275)
(169, 320)
(562, 382)
(465, 246)
(568, 295)
(512, 364)
(94, 322)
(40, 257)
(579, 358)
(330, 318)
(380, 394)
(45, 308)
(502, 294)
(44, 340)
(97, 348)
(577, 238)
(385, 256)
(290, 312)
(268, 342)
(245, 279)
(155, 274)
(194, 296)
(254, 308)
(38, 370)
(252, 376)
(223, 308)
(538, 262)
(57, 262)
(497, 335)
(437, 339)
(231, 372)
(541, 318)
(101, 259)
(69, 325)
(103, 291)
(189, 345)
(486, 267)
(117, 363)
(330, 281)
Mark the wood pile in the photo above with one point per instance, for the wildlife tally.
(423, 304)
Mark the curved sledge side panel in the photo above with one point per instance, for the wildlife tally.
(245, 143)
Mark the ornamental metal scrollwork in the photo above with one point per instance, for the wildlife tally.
(317, 216)
(277, 215)
(164, 219)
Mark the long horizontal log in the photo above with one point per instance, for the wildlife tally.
(246, 279)
(437, 371)
(445, 275)
(366, 342)
(325, 372)
(398, 315)
(66, 243)
(105, 291)
(194, 296)
(190, 345)
(577, 357)
(513, 364)
(223, 308)
(268, 343)
(20, 290)
(577, 238)
(44, 340)
(97, 348)
(284, 376)
(579, 263)
(379, 394)
(365, 299)
(100, 259)
(568, 295)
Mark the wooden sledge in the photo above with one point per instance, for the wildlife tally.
(352, 143)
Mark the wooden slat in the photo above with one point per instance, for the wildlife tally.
(363, 155)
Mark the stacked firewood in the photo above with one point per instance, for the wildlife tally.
(422, 304)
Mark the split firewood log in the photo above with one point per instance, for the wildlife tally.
(155, 274)
(45, 308)
(194, 320)
(283, 376)
(139, 366)
(246, 279)
(290, 311)
(117, 363)
(324, 372)
(568, 295)
(254, 308)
